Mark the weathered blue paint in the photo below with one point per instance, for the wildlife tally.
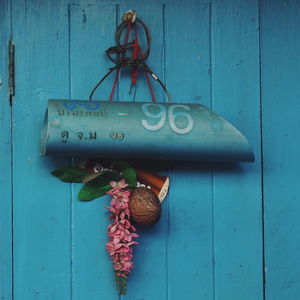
(41, 205)
(92, 276)
(237, 194)
(228, 232)
(190, 209)
(153, 241)
(6, 215)
(280, 49)
(140, 130)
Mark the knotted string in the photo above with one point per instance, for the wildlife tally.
(136, 60)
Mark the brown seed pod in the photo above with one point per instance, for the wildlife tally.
(144, 206)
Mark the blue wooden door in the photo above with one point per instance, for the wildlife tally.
(228, 231)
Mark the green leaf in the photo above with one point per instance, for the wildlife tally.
(111, 175)
(127, 172)
(88, 192)
(129, 175)
(94, 189)
(90, 177)
(70, 174)
(108, 175)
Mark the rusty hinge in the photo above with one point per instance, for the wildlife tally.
(11, 71)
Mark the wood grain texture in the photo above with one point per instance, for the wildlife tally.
(237, 188)
(150, 255)
(6, 258)
(91, 33)
(41, 202)
(190, 232)
(280, 48)
(237, 57)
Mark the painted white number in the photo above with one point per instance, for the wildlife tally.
(162, 115)
(173, 115)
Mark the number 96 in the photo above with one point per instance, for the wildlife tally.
(161, 115)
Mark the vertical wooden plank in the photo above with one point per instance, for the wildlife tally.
(41, 202)
(5, 159)
(237, 189)
(92, 32)
(280, 48)
(190, 247)
(148, 278)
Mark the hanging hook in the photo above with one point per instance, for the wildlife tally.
(129, 16)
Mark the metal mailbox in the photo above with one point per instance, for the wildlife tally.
(140, 130)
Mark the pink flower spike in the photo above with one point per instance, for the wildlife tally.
(134, 235)
(113, 184)
(122, 184)
(120, 231)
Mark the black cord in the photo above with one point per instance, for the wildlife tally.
(122, 60)
(101, 80)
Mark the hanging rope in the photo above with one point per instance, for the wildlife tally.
(118, 70)
(135, 61)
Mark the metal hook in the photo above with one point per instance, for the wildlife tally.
(130, 15)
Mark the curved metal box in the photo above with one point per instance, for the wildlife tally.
(141, 130)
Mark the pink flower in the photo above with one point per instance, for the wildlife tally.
(121, 184)
(120, 231)
(112, 247)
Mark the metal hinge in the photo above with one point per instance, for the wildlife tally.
(11, 71)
